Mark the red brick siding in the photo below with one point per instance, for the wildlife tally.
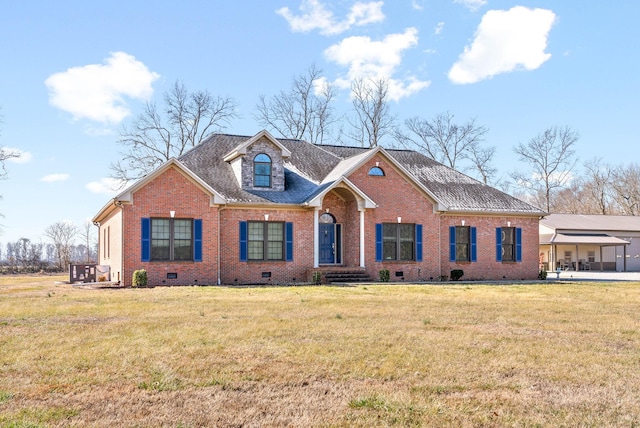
(395, 196)
(250, 272)
(171, 191)
(487, 267)
(398, 197)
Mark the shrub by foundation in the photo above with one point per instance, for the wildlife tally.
(139, 278)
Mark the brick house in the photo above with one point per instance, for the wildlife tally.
(260, 210)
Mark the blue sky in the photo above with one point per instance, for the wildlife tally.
(73, 72)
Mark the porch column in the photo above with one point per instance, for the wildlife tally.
(601, 263)
(316, 239)
(362, 238)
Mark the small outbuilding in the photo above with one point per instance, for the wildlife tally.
(590, 242)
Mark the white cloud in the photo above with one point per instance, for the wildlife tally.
(109, 186)
(506, 40)
(97, 91)
(369, 59)
(316, 16)
(416, 5)
(19, 156)
(439, 28)
(51, 178)
(472, 5)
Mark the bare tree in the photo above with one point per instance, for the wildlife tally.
(62, 234)
(156, 136)
(87, 235)
(551, 157)
(625, 182)
(303, 112)
(373, 119)
(5, 155)
(597, 188)
(449, 143)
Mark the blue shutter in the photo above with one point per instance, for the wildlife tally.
(243, 241)
(197, 240)
(418, 242)
(145, 228)
(288, 238)
(498, 244)
(378, 242)
(452, 243)
(474, 252)
(518, 244)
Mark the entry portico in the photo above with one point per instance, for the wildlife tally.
(344, 197)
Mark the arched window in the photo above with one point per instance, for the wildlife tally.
(376, 171)
(262, 171)
(327, 218)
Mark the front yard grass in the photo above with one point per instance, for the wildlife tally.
(549, 354)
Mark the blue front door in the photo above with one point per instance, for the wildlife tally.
(327, 243)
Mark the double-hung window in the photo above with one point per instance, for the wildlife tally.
(167, 239)
(266, 240)
(398, 242)
(508, 244)
(171, 239)
(462, 244)
(463, 241)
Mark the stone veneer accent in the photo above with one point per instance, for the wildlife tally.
(265, 146)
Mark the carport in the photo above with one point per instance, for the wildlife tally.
(561, 241)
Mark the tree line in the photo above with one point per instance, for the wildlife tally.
(27, 256)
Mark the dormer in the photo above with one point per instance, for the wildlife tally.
(258, 163)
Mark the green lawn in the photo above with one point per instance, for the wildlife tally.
(549, 354)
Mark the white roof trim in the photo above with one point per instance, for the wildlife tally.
(127, 194)
(242, 148)
(364, 201)
(582, 238)
(347, 166)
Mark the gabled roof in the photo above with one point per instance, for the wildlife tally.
(452, 190)
(315, 199)
(242, 148)
(350, 164)
(126, 195)
(310, 169)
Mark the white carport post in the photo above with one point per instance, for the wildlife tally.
(362, 238)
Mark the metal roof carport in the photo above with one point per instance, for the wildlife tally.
(577, 239)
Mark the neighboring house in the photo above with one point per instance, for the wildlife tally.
(259, 210)
(590, 242)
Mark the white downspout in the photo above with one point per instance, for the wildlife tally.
(316, 238)
(219, 249)
(362, 234)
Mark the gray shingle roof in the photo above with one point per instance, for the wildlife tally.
(587, 223)
(309, 165)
